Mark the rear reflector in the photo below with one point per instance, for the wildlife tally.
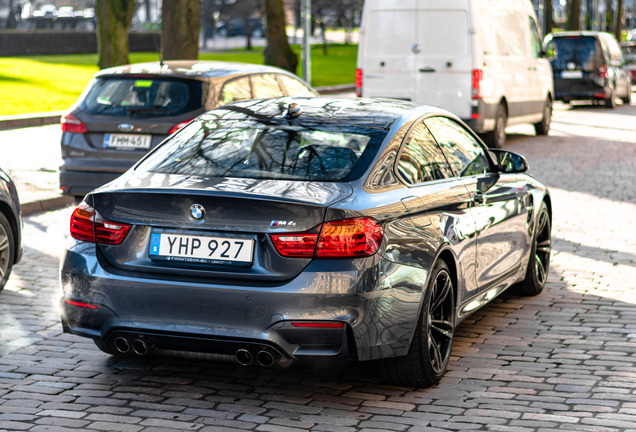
(477, 76)
(178, 126)
(308, 324)
(359, 77)
(602, 72)
(345, 238)
(80, 304)
(72, 124)
(599, 95)
(89, 226)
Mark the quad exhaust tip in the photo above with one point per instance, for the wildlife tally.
(139, 347)
(121, 344)
(244, 357)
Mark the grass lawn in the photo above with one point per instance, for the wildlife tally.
(52, 83)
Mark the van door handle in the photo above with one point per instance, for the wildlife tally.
(479, 198)
(428, 69)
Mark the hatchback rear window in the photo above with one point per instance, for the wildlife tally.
(584, 52)
(250, 149)
(142, 97)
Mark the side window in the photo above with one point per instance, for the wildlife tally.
(421, 160)
(266, 86)
(236, 90)
(535, 39)
(294, 87)
(461, 149)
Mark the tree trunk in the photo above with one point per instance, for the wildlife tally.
(277, 52)
(180, 26)
(618, 26)
(574, 15)
(113, 21)
(547, 17)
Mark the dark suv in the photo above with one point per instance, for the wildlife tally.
(588, 65)
(127, 110)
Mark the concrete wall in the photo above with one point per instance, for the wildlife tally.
(49, 42)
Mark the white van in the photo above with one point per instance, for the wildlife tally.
(480, 59)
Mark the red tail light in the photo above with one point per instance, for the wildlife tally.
(602, 72)
(359, 78)
(72, 124)
(178, 126)
(89, 226)
(477, 76)
(346, 238)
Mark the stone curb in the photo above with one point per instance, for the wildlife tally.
(45, 204)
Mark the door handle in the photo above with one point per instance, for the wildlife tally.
(428, 69)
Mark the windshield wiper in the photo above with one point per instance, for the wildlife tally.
(146, 110)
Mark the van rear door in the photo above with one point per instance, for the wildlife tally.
(443, 64)
(386, 48)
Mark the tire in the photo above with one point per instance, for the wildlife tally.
(610, 102)
(539, 260)
(627, 100)
(543, 127)
(497, 137)
(7, 250)
(430, 350)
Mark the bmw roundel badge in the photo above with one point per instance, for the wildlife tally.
(197, 212)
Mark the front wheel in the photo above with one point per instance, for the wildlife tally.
(539, 261)
(430, 350)
(610, 102)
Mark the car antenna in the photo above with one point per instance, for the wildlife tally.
(293, 112)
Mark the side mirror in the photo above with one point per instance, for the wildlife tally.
(510, 162)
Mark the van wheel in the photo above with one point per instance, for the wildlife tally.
(610, 102)
(497, 137)
(430, 350)
(543, 127)
(628, 97)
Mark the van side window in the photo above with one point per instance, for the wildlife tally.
(421, 159)
(463, 152)
(535, 39)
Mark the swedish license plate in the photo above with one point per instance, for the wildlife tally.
(127, 141)
(572, 74)
(201, 249)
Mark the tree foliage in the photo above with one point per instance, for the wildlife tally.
(113, 21)
(278, 52)
(180, 29)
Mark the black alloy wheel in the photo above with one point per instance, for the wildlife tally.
(539, 261)
(7, 250)
(430, 349)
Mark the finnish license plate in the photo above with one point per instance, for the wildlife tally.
(572, 74)
(127, 141)
(201, 249)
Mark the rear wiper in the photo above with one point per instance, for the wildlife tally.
(146, 110)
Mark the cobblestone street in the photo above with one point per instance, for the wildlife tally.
(564, 360)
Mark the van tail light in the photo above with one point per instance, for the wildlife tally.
(359, 78)
(477, 76)
(345, 238)
(72, 124)
(178, 126)
(89, 226)
(602, 72)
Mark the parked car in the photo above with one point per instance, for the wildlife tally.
(10, 227)
(236, 27)
(290, 228)
(629, 54)
(127, 110)
(589, 66)
(481, 60)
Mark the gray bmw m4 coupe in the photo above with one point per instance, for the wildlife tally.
(293, 228)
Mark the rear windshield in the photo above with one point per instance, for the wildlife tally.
(250, 149)
(142, 97)
(583, 52)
